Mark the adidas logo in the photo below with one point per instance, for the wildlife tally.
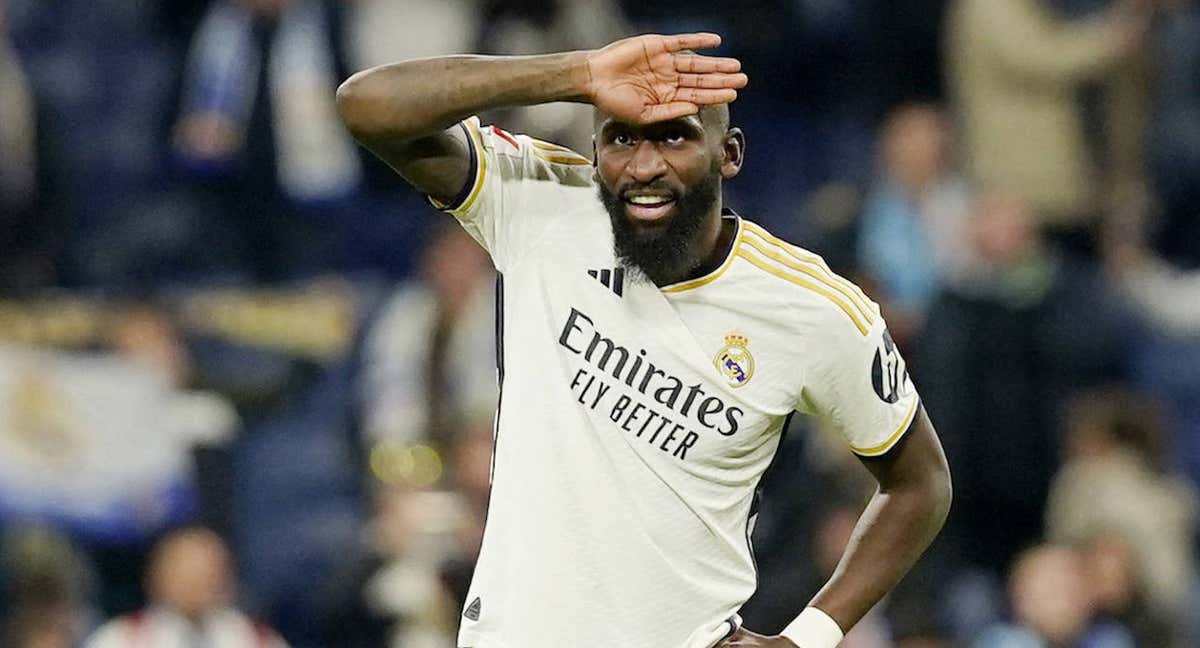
(473, 609)
(613, 279)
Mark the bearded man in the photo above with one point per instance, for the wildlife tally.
(652, 346)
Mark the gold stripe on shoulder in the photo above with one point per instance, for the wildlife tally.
(480, 167)
(548, 146)
(820, 289)
(848, 288)
(791, 262)
(875, 451)
(555, 153)
(572, 158)
(715, 274)
(803, 255)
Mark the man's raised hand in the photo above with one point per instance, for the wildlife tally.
(652, 78)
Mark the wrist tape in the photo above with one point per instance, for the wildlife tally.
(813, 629)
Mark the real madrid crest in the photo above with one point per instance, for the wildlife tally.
(734, 360)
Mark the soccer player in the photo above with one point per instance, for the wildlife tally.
(652, 346)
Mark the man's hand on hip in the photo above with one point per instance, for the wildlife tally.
(743, 638)
(651, 78)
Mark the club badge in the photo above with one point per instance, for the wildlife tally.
(734, 360)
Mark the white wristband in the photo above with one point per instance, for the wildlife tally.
(813, 629)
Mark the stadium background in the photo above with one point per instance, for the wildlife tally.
(216, 312)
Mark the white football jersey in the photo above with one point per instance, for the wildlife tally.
(635, 422)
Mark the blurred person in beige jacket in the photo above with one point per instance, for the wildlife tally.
(1016, 71)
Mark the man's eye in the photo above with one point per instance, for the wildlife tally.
(673, 136)
(623, 139)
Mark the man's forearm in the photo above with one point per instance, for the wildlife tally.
(892, 533)
(412, 99)
(404, 113)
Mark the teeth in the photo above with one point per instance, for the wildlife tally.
(648, 200)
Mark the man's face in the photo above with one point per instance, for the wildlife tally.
(660, 183)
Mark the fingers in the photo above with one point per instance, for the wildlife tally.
(704, 97)
(695, 63)
(702, 40)
(668, 111)
(715, 80)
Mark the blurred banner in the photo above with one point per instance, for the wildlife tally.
(98, 443)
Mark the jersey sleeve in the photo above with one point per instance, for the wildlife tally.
(518, 185)
(859, 386)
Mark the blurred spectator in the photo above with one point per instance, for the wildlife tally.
(429, 361)
(1052, 606)
(276, 54)
(1113, 482)
(1012, 259)
(257, 129)
(996, 359)
(191, 591)
(395, 596)
(1166, 296)
(283, 352)
(46, 587)
(27, 225)
(407, 589)
(913, 228)
(1016, 71)
(145, 335)
(1119, 593)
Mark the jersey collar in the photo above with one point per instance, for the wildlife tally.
(715, 274)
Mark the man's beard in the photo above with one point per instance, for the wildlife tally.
(662, 254)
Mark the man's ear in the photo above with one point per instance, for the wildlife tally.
(733, 149)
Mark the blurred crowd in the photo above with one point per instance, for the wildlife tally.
(248, 377)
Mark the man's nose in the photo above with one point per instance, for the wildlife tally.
(647, 163)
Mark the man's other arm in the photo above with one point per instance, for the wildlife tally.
(900, 521)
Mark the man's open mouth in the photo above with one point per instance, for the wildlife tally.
(648, 206)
